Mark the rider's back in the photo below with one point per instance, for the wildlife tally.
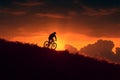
(51, 35)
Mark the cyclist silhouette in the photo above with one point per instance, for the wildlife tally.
(52, 36)
(51, 41)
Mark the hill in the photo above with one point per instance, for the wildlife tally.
(23, 61)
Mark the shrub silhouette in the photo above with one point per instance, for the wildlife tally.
(23, 61)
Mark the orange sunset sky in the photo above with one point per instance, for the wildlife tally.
(77, 22)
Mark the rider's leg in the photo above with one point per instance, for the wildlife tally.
(49, 42)
(52, 40)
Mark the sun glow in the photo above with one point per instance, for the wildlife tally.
(60, 44)
(62, 39)
(76, 40)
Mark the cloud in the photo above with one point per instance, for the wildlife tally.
(72, 13)
(80, 21)
(71, 49)
(102, 49)
(2, 11)
(18, 13)
(5, 10)
(51, 15)
(117, 55)
(12, 12)
(90, 11)
(29, 3)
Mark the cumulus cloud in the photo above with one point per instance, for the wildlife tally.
(102, 49)
(71, 49)
(117, 56)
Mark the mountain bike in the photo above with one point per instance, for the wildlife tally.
(51, 45)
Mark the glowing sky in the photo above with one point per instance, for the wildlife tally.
(77, 22)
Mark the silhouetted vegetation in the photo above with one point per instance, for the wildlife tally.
(22, 61)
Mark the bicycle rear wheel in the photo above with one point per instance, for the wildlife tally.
(54, 46)
(46, 44)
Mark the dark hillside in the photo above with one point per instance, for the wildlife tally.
(22, 61)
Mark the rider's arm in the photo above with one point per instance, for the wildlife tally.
(55, 38)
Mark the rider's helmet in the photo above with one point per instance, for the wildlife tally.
(54, 32)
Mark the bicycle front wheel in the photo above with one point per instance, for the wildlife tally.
(53, 46)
